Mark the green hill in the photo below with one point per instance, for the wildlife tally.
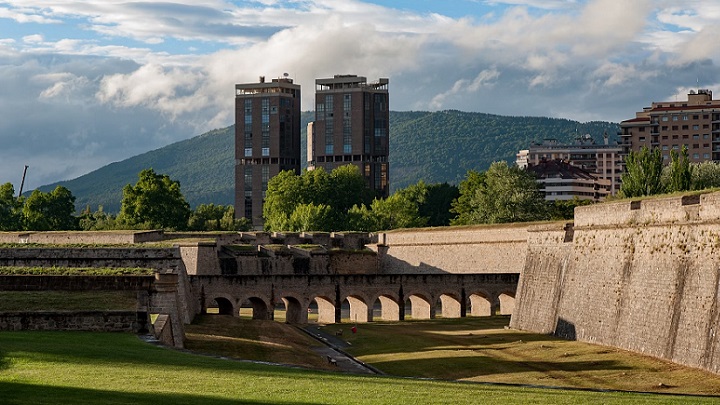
(432, 146)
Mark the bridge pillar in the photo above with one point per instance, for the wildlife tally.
(463, 304)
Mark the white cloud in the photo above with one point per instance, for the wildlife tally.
(136, 75)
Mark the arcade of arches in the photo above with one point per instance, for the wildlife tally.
(357, 308)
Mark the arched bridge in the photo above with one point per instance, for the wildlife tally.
(423, 296)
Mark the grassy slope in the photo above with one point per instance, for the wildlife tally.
(479, 349)
(104, 368)
(436, 147)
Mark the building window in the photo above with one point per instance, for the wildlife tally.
(675, 118)
(696, 136)
(706, 136)
(696, 156)
(676, 147)
(706, 156)
(696, 127)
(642, 139)
(329, 129)
(664, 118)
(347, 123)
(685, 117)
(664, 147)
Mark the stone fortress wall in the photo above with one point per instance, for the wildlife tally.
(642, 276)
(638, 275)
(457, 250)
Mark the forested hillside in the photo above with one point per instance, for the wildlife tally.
(432, 146)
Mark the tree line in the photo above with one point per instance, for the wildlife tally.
(340, 200)
(154, 202)
(645, 173)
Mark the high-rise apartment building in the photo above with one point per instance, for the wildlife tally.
(267, 140)
(670, 125)
(351, 127)
(603, 161)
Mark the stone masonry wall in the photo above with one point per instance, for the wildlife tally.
(643, 276)
(105, 321)
(481, 249)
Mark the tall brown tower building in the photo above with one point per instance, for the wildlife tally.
(352, 126)
(669, 125)
(267, 140)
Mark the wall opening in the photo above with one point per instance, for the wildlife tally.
(418, 307)
(255, 308)
(479, 305)
(357, 309)
(386, 308)
(507, 303)
(321, 310)
(294, 311)
(448, 306)
(220, 306)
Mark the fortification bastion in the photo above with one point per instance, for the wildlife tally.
(638, 275)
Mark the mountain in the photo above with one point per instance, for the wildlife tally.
(431, 146)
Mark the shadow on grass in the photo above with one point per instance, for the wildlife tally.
(91, 348)
(21, 393)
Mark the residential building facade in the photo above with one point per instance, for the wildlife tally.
(602, 161)
(352, 126)
(267, 140)
(670, 125)
(561, 181)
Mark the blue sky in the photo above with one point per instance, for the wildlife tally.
(87, 83)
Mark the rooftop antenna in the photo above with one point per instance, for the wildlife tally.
(22, 183)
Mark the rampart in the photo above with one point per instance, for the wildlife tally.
(642, 276)
(459, 250)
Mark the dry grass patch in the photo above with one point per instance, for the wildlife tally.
(480, 349)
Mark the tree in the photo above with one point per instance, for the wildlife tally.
(680, 171)
(96, 221)
(504, 194)
(643, 171)
(467, 204)
(438, 203)
(10, 209)
(154, 202)
(337, 191)
(211, 217)
(565, 209)
(51, 211)
(705, 175)
(310, 217)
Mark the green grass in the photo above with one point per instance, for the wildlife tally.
(67, 300)
(107, 368)
(75, 271)
(480, 349)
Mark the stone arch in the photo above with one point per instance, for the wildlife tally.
(450, 306)
(295, 311)
(389, 308)
(325, 309)
(506, 300)
(480, 304)
(259, 306)
(223, 304)
(419, 306)
(359, 309)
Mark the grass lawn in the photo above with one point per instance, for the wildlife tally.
(109, 368)
(480, 349)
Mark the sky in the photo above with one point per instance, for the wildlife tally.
(87, 83)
